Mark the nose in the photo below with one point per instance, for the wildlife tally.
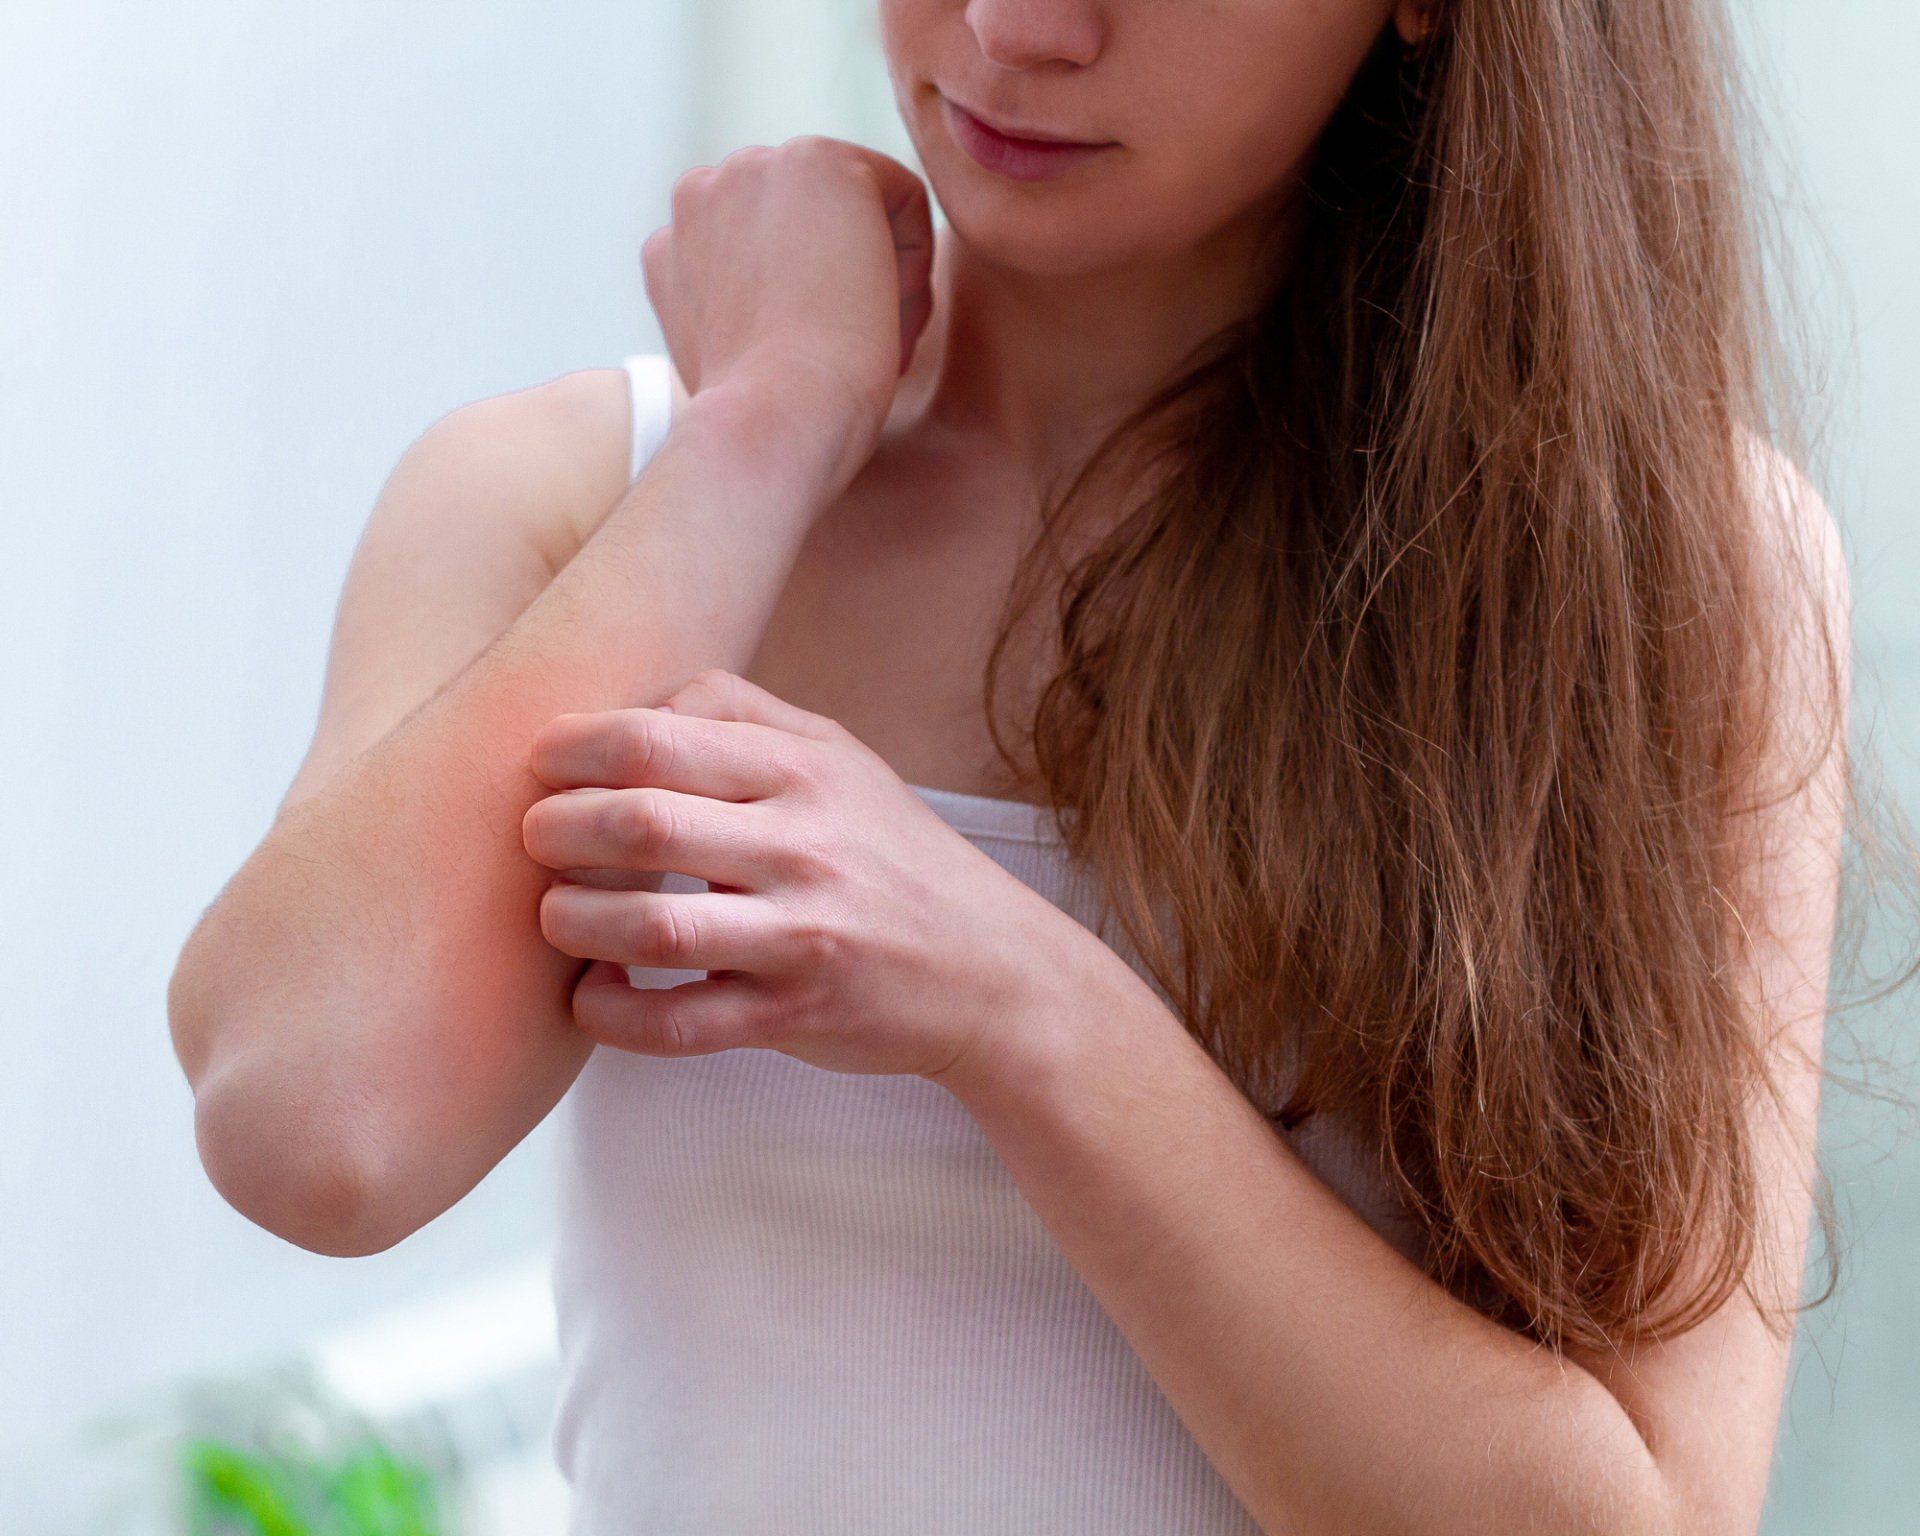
(1019, 34)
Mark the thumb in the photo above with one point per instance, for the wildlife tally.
(913, 252)
(909, 211)
(717, 694)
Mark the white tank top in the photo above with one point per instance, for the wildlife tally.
(811, 1303)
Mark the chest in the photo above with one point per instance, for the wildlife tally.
(893, 605)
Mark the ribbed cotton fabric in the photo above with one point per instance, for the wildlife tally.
(808, 1303)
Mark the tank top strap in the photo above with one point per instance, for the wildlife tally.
(650, 388)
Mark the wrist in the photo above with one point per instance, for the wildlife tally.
(797, 431)
(1076, 1000)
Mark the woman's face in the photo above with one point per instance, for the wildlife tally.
(1208, 107)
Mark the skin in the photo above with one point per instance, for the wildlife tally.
(1051, 308)
(1066, 301)
(1334, 1386)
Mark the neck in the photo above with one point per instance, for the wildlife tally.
(1040, 367)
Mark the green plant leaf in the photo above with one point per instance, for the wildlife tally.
(383, 1495)
(224, 1481)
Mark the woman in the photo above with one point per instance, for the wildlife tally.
(1438, 678)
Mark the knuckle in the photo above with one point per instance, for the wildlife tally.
(812, 146)
(817, 945)
(804, 859)
(646, 821)
(666, 934)
(710, 688)
(642, 750)
(689, 184)
(807, 771)
(668, 1030)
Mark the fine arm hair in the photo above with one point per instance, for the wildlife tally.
(369, 1013)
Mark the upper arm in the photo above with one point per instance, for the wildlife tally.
(476, 518)
(1707, 1401)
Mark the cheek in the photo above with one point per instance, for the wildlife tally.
(1217, 101)
(1199, 172)
(904, 27)
(1243, 102)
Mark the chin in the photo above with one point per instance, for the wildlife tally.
(1037, 229)
(1075, 226)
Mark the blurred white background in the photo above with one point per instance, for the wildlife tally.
(248, 252)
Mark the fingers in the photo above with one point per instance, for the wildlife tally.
(652, 829)
(683, 931)
(694, 1019)
(627, 748)
(717, 694)
(904, 195)
(912, 223)
(721, 736)
(909, 211)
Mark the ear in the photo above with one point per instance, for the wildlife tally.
(1414, 20)
(717, 694)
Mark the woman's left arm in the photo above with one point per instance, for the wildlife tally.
(1334, 1385)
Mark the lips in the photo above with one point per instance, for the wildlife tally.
(1022, 135)
(1019, 159)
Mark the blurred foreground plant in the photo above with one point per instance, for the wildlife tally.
(270, 1452)
(368, 1491)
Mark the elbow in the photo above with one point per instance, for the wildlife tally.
(190, 1011)
(1641, 1505)
(287, 1170)
(281, 1140)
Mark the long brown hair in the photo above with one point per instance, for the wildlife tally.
(1427, 686)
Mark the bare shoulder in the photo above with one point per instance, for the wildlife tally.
(1806, 601)
(478, 515)
(1797, 529)
(552, 455)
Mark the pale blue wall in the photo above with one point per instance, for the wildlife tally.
(246, 252)
(1849, 114)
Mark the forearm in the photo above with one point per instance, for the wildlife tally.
(1334, 1385)
(684, 572)
(376, 970)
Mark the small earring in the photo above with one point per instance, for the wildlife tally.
(1425, 34)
